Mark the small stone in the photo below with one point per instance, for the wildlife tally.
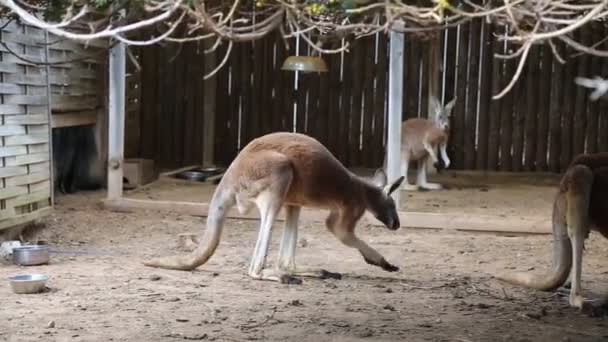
(182, 320)
(389, 290)
(50, 325)
(215, 274)
(154, 277)
(295, 302)
(173, 299)
(388, 307)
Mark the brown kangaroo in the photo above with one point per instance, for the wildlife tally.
(581, 205)
(292, 170)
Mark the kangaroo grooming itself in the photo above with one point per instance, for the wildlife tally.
(292, 170)
(419, 141)
(581, 205)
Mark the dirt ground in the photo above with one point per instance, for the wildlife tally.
(443, 292)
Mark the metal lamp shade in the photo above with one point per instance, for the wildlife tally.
(305, 64)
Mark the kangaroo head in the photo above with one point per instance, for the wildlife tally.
(441, 114)
(380, 203)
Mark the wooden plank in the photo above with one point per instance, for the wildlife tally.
(369, 130)
(555, 115)
(345, 107)
(255, 91)
(380, 99)
(300, 96)
(544, 107)
(221, 123)
(591, 141)
(149, 108)
(24, 218)
(411, 78)
(26, 159)
(358, 65)
(459, 113)
(506, 118)
(32, 119)
(278, 104)
(7, 67)
(28, 179)
(38, 148)
(190, 112)
(519, 99)
(26, 139)
(11, 192)
(481, 160)
(37, 100)
(267, 114)
(73, 103)
(532, 111)
(178, 118)
(581, 96)
(603, 105)
(6, 109)
(470, 126)
(9, 151)
(495, 105)
(7, 130)
(10, 88)
(12, 171)
(40, 186)
(33, 197)
(567, 111)
(39, 167)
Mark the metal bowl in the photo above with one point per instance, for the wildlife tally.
(28, 283)
(192, 175)
(31, 255)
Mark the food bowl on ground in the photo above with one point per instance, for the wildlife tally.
(31, 255)
(199, 174)
(28, 283)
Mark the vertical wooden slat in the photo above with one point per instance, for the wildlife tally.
(555, 115)
(518, 95)
(380, 98)
(544, 95)
(256, 92)
(223, 111)
(470, 127)
(278, 101)
(506, 118)
(495, 105)
(603, 104)
(485, 93)
(531, 111)
(591, 141)
(236, 94)
(289, 91)
(178, 118)
(323, 113)
(368, 100)
(334, 96)
(149, 90)
(191, 80)
(410, 80)
(301, 94)
(345, 106)
(567, 113)
(580, 102)
(355, 111)
(459, 110)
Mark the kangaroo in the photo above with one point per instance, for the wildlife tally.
(581, 205)
(292, 170)
(420, 139)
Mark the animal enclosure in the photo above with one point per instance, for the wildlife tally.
(26, 120)
(539, 126)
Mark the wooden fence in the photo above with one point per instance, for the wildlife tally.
(25, 166)
(539, 126)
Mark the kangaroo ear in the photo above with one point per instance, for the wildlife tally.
(450, 106)
(379, 178)
(389, 189)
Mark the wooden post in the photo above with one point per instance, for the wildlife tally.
(395, 107)
(116, 129)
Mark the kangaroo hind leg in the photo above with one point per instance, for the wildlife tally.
(269, 201)
(287, 250)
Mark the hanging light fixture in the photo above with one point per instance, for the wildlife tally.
(304, 63)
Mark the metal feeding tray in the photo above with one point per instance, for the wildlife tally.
(199, 174)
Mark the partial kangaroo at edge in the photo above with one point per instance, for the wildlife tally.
(581, 205)
(292, 170)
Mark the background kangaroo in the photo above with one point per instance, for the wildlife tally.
(420, 139)
(581, 205)
(292, 170)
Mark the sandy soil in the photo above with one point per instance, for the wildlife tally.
(443, 292)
